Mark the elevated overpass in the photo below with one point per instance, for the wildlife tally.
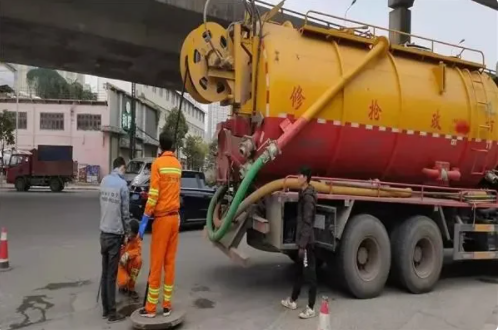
(134, 40)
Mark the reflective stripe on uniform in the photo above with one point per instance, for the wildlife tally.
(168, 287)
(151, 201)
(151, 300)
(153, 296)
(167, 297)
(153, 291)
(170, 170)
(153, 192)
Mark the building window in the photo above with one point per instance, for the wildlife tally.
(87, 122)
(167, 95)
(52, 121)
(22, 122)
(161, 91)
(154, 90)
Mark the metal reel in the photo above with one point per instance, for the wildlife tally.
(199, 51)
(189, 86)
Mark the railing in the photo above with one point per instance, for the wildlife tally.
(311, 16)
(375, 29)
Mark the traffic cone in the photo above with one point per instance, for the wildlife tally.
(4, 251)
(324, 317)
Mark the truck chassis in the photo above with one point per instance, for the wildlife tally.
(371, 238)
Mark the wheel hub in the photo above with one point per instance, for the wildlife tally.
(362, 256)
(417, 255)
(368, 261)
(424, 258)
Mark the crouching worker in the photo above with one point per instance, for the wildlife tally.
(130, 262)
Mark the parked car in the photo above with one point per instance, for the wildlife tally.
(195, 196)
(138, 170)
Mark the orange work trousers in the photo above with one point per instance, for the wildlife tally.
(163, 248)
(127, 275)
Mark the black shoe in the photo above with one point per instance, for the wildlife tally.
(115, 317)
(166, 312)
(105, 315)
(123, 291)
(143, 313)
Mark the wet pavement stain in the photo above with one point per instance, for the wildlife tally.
(203, 303)
(64, 285)
(200, 288)
(29, 304)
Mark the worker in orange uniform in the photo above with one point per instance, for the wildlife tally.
(163, 204)
(130, 262)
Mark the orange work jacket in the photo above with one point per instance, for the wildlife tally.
(164, 191)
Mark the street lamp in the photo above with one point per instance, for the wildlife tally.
(13, 69)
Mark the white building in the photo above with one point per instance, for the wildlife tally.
(165, 99)
(216, 114)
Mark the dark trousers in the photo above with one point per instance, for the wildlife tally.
(306, 273)
(110, 246)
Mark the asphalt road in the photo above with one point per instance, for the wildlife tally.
(54, 252)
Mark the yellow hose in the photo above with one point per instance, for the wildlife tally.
(339, 188)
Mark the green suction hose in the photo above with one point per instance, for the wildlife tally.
(215, 236)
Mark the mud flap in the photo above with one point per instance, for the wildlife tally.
(230, 242)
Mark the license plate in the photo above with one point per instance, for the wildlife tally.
(135, 197)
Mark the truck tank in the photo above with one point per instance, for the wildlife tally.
(408, 115)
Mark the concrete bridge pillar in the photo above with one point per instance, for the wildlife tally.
(400, 18)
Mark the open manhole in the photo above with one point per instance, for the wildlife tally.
(128, 307)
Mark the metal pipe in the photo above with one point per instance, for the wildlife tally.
(16, 78)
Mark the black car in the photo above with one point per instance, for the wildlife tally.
(195, 196)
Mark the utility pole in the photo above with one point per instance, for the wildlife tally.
(132, 124)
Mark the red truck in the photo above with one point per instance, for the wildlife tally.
(47, 165)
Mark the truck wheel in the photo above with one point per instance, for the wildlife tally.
(364, 256)
(417, 254)
(20, 184)
(26, 187)
(56, 185)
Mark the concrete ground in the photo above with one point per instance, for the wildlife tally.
(54, 253)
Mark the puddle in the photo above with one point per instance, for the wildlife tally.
(203, 303)
(64, 285)
(200, 288)
(28, 305)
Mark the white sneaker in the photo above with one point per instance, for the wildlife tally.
(307, 313)
(289, 304)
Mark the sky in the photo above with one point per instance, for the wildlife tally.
(475, 23)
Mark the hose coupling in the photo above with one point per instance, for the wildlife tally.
(246, 147)
(271, 151)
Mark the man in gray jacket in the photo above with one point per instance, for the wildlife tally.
(114, 220)
(305, 241)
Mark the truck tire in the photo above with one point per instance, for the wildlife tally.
(27, 187)
(364, 256)
(417, 254)
(20, 184)
(56, 185)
